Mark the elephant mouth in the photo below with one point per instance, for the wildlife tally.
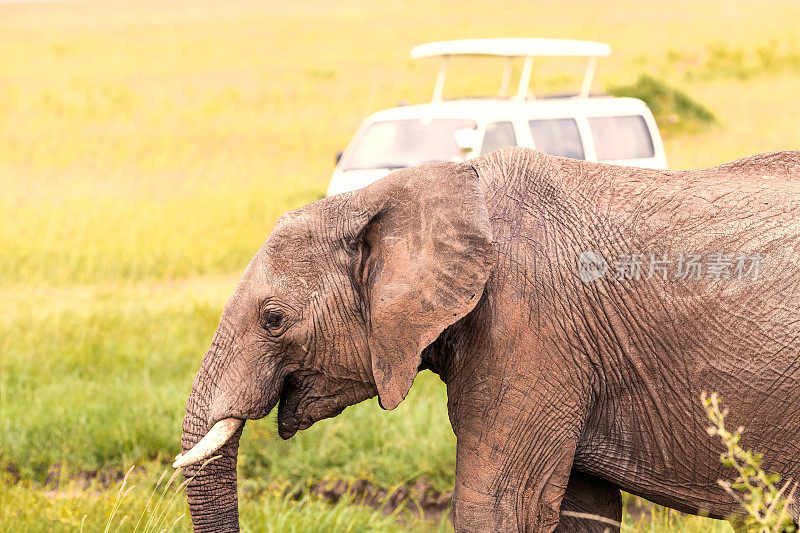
(288, 424)
(299, 408)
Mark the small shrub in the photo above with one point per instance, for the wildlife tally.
(765, 506)
(674, 111)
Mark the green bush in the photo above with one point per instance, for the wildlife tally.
(674, 111)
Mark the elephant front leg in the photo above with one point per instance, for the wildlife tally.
(504, 487)
(517, 428)
(488, 497)
(588, 495)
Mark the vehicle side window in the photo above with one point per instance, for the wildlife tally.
(557, 136)
(623, 137)
(498, 135)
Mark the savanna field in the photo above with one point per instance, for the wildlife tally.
(146, 150)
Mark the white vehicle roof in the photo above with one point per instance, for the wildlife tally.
(511, 48)
(490, 109)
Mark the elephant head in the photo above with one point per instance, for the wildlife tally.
(336, 307)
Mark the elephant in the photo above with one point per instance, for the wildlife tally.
(561, 303)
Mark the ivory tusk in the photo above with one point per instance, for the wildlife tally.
(213, 441)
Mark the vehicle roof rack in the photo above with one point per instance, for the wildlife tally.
(512, 48)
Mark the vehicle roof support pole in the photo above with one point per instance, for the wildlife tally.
(586, 86)
(506, 77)
(438, 89)
(525, 78)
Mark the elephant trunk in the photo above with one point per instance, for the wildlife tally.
(212, 492)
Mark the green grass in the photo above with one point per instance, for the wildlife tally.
(657, 519)
(23, 508)
(146, 150)
(387, 448)
(101, 385)
(123, 364)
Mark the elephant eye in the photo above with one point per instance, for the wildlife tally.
(271, 320)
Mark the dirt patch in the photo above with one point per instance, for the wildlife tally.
(86, 479)
(10, 474)
(420, 498)
(81, 483)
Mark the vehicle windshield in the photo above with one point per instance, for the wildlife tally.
(407, 143)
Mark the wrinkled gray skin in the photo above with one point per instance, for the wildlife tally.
(560, 392)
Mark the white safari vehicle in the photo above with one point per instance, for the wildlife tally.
(595, 128)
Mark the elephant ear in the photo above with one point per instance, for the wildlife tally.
(425, 253)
